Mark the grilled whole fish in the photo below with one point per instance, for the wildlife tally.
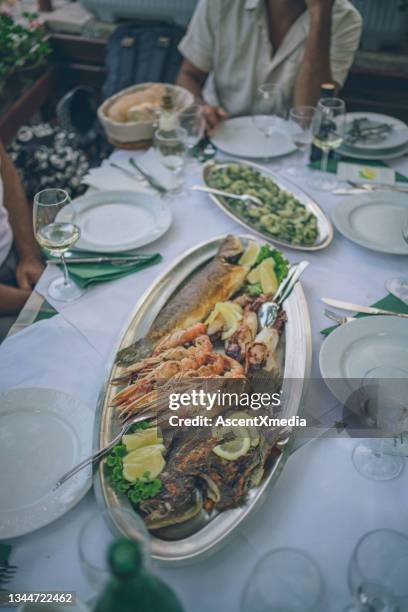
(216, 282)
(196, 478)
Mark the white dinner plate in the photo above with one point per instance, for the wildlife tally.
(43, 434)
(114, 221)
(396, 138)
(353, 349)
(374, 220)
(241, 137)
(379, 155)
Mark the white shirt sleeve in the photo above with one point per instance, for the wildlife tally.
(345, 39)
(198, 44)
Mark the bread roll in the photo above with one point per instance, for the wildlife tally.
(152, 96)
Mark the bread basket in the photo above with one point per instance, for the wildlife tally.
(137, 134)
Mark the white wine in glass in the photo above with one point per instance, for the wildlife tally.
(328, 134)
(56, 232)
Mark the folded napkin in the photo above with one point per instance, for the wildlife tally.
(332, 166)
(85, 274)
(5, 550)
(107, 177)
(390, 302)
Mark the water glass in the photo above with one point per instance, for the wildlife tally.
(270, 108)
(56, 231)
(192, 120)
(171, 147)
(300, 126)
(383, 398)
(377, 573)
(328, 134)
(97, 534)
(284, 580)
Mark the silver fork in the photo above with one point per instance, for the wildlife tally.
(337, 318)
(234, 196)
(7, 572)
(100, 454)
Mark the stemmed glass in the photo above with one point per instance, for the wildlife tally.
(193, 121)
(377, 573)
(300, 125)
(328, 134)
(171, 148)
(284, 580)
(383, 396)
(399, 286)
(56, 231)
(98, 533)
(269, 110)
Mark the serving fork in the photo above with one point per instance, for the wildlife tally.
(337, 318)
(100, 454)
(234, 196)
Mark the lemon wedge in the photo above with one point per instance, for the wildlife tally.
(147, 459)
(231, 314)
(267, 276)
(253, 276)
(142, 437)
(233, 449)
(249, 256)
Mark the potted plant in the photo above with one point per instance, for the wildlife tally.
(24, 47)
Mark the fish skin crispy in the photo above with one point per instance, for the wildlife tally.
(215, 282)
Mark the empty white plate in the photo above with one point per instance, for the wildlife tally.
(114, 221)
(396, 138)
(374, 221)
(241, 137)
(353, 349)
(43, 434)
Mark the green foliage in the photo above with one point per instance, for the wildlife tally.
(21, 44)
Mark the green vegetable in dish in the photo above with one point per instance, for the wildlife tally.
(143, 488)
(281, 216)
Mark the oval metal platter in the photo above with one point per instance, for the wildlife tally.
(203, 535)
(324, 225)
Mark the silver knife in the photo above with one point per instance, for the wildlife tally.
(152, 181)
(101, 259)
(364, 309)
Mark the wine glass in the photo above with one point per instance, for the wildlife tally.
(171, 147)
(377, 573)
(284, 580)
(97, 534)
(193, 121)
(300, 125)
(328, 134)
(269, 110)
(56, 231)
(383, 395)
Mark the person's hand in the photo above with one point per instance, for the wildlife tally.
(213, 116)
(29, 270)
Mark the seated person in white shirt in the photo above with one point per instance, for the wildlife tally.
(242, 44)
(20, 263)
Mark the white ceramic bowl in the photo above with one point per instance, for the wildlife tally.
(136, 131)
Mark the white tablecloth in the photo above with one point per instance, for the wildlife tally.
(320, 504)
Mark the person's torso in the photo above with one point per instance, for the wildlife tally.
(244, 57)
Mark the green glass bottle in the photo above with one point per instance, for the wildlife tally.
(131, 587)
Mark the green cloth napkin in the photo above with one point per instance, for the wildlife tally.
(332, 166)
(5, 550)
(390, 302)
(85, 274)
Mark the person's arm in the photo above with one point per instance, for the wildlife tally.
(192, 78)
(30, 264)
(315, 68)
(12, 299)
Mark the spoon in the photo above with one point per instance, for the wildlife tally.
(234, 196)
(268, 312)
